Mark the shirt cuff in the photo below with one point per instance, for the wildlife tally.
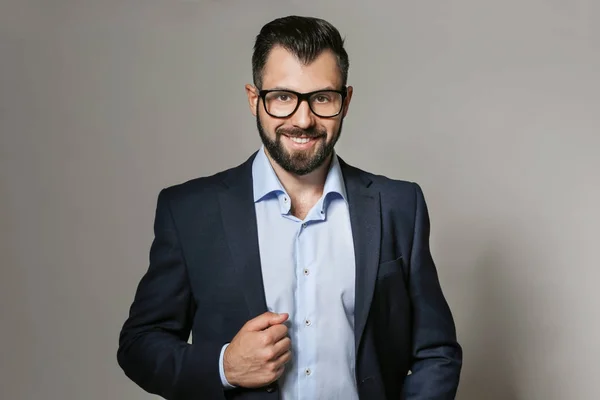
(224, 382)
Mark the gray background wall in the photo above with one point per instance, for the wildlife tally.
(492, 106)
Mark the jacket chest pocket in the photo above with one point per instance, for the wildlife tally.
(390, 268)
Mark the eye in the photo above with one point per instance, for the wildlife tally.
(281, 97)
(322, 98)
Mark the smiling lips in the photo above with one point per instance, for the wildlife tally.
(300, 140)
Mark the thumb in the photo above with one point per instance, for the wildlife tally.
(265, 320)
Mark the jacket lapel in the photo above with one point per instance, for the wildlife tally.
(365, 218)
(239, 222)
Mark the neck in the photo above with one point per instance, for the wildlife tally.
(311, 184)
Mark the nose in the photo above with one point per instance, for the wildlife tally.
(303, 117)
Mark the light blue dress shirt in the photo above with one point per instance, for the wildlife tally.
(308, 270)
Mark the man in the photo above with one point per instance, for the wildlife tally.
(299, 276)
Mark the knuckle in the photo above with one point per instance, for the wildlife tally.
(269, 354)
(265, 339)
(272, 367)
(246, 327)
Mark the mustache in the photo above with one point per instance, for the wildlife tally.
(311, 133)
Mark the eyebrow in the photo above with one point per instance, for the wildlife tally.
(292, 90)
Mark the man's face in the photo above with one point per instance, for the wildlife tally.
(303, 141)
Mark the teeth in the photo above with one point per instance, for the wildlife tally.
(300, 140)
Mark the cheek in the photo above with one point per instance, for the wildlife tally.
(332, 128)
(268, 124)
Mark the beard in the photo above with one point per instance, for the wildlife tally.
(299, 162)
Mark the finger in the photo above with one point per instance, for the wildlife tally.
(276, 332)
(284, 358)
(276, 373)
(264, 321)
(279, 319)
(280, 370)
(278, 366)
(281, 347)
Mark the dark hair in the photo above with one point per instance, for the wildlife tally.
(305, 37)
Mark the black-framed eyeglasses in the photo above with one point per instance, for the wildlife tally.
(323, 103)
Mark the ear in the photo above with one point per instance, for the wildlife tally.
(252, 93)
(347, 100)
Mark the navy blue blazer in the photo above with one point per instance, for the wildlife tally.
(205, 277)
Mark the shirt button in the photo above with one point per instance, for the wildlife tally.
(285, 199)
(306, 271)
(307, 322)
(307, 371)
(304, 225)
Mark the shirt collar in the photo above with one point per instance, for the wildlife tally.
(266, 182)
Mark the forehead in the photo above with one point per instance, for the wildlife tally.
(284, 70)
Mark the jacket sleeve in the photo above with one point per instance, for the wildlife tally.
(153, 349)
(437, 356)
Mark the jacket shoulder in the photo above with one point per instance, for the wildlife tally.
(207, 185)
